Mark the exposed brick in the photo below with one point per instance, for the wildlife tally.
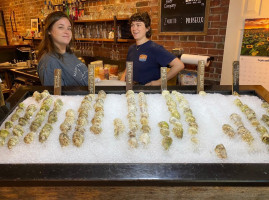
(215, 18)
(217, 64)
(200, 38)
(183, 38)
(219, 10)
(206, 45)
(212, 31)
(222, 31)
(212, 52)
(218, 38)
(218, 71)
(220, 46)
(142, 4)
(214, 3)
(191, 38)
(190, 44)
(224, 17)
(211, 70)
(218, 24)
(200, 51)
(154, 37)
(225, 2)
(209, 38)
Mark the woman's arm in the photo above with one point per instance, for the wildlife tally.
(123, 76)
(176, 66)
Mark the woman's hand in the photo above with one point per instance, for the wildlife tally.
(154, 83)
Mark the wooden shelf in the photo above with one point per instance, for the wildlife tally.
(91, 39)
(100, 20)
(95, 39)
(32, 38)
(6, 91)
(104, 40)
(126, 40)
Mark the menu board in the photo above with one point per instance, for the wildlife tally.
(183, 17)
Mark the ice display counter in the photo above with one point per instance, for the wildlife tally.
(135, 174)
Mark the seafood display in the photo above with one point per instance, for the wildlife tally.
(164, 130)
(45, 132)
(41, 114)
(221, 151)
(39, 96)
(118, 127)
(17, 129)
(228, 130)
(157, 127)
(29, 138)
(13, 141)
(251, 116)
(4, 133)
(266, 106)
(145, 128)
(99, 113)
(175, 116)
(66, 126)
(52, 118)
(17, 113)
(82, 120)
(265, 119)
(241, 129)
(133, 125)
(189, 117)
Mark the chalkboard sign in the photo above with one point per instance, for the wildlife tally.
(183, 17)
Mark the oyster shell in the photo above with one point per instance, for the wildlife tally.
(221, 151)
(228, 130)
(167, 142)
(8, 124)
(64, 139)
(29, 138)
(13, 141)
(144, 138)
(178, 131)
(4, 133)
(133, 142)
(18, 130)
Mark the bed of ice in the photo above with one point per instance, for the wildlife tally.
(211, 112)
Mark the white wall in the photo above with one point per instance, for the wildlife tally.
(239, 10)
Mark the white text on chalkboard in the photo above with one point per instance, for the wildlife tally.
(168, 4)
(170, 21)
(194, 20)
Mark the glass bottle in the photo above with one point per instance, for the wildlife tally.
(81, 11)
(70, 3)
(118, 32)
(75, 10)
(66, 8)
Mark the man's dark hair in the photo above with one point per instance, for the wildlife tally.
(142, 17)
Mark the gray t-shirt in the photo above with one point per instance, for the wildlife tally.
(74, 72)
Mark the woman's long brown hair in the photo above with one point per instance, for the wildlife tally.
(47, 45)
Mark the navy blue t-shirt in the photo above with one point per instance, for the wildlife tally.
(148, 59)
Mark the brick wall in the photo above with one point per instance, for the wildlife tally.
(211, 44)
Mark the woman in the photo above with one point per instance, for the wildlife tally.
(55, 53)
(147, 56)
